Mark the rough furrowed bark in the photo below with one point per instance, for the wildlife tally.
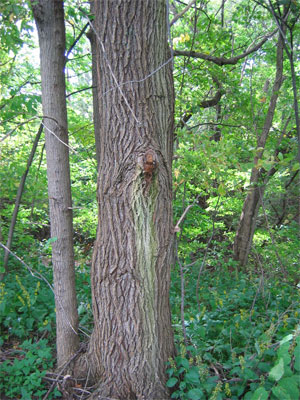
(132, 338)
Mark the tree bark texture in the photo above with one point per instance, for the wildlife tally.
(49, 17)
(132, 338)
(246, 228)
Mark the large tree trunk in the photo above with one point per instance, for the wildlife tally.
(49, 17)
(246, 228)
(132, 338)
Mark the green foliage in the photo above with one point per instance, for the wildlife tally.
(283, 380)
(242, 341)
(21, 376)
(26, 307)
(27, 310)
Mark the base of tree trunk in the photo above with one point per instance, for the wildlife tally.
(110, 389)
(105, 392)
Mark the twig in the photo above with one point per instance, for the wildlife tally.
(260, 285)
(86, 382)
(118, 85)
(61, 141)
(283, 270)
(20, 124)
(205, 255)
(138, 80)
(182, 291)
(76, 41)
(80, 90)
(59, 375)
(215, 124)
(112, 73)
(19, 196)
(222, 60)
(176, 227)
(181, 13)
(37, 275)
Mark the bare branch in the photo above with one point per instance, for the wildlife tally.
(283, 269)
(213, 101)
(215, 124)
(206, 252)
(80, 90)
(76, 40)
(14, 129)
(19, 196)
(176, 228)
(33, 272)
(179, 15)
(222, 60)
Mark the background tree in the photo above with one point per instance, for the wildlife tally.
(49, 18)
(245, 231)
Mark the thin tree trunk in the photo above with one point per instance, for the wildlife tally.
(49, 18)
(19, 196)
(246, 228)
(290, 53)
(132, 338)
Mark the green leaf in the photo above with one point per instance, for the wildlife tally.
(249, 374)
(287, 338)
(180, 370)
(192, 376)
(283, 352)
(172, 382)
(281, 393)
(195, 394)
(221, 189)
(287, 371)
(185, 363)
(182, 385)
(201, 332)
(290, 385)
(182, 361)
(260, 394)
(296, 167)
(277, 372)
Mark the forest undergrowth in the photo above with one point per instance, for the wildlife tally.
(238, 339)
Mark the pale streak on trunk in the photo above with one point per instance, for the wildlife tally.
(49, 17)
(132, 338)
(246, 228)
